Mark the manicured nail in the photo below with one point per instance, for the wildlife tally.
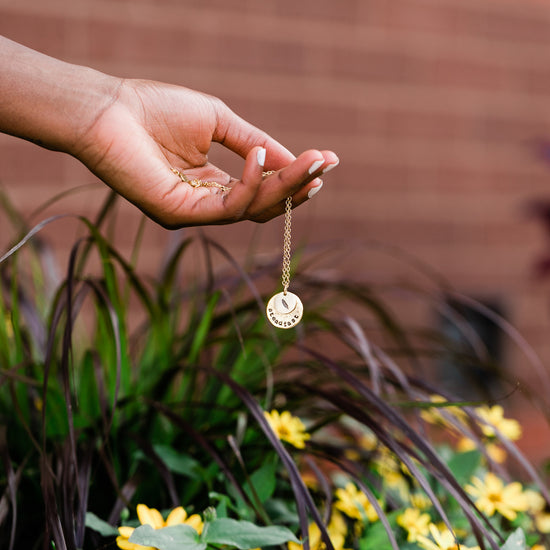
(314, 190)
(315, 166)
(260, 156)
(329, 167)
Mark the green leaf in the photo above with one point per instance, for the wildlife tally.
(376, 535)
(100, 526)
(516, 541)
(174, 537)
(203, 329)
(177, 462)
(263, 481)
(245, 535)
(282, 512)
(464, 465)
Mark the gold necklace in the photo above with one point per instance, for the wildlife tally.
(284, 309)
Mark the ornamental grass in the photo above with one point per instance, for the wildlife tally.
(165, 413)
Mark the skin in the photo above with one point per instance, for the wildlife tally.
(130, 133)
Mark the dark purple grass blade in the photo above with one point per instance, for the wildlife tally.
(349, 408)
(513, 449)
(69, 462)
(517, 338)
(302, 496)
(74, 494)
(125, 493)
(255, 500)
(12, 480)
(205, 444)
(53, 528)
(37, 228)
(420, 443)
(242, 274)
(115, 326)
(162, 469)
(363, 348)
(404, 452)
(325, 486)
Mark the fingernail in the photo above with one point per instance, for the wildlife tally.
(314, 190)
(260, 156)
(329, 167)
(314, 167)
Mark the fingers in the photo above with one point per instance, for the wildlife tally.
(313, 187)
(240, 136)
(299, 179)
(254, 197)
(244, 192)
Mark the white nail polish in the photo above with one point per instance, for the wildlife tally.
(314, 167)
(260, 156)
(329, 167)
(314, 190)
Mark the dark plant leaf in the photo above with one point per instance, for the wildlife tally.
(100, 526)
(174, 537)
(245, 535)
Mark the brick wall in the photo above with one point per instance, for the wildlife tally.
(434, 107)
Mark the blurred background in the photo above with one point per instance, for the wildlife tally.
(438, 109)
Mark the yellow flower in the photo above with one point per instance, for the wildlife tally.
(288, 428)
(493, 496)
(535, 501)
(434, 416)
(152, 517)
(498, 454)
(368, 441)
(542, 522)
(354, 503)
(441, 540)
(336, 529)
(391, 470)
(420, 501)
(414, 522)
(538, 547)
(493, 417)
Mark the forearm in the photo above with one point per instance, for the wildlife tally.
(48, 101)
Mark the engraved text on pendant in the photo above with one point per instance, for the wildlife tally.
(284, 310)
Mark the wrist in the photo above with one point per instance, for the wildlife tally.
(48, 101)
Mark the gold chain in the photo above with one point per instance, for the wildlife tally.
(200, 183)
(287, 227)
(286, 244)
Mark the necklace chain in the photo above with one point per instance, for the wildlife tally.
(200, 183)
(287, 234)
(286, 244)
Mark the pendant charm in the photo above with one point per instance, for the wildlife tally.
(284, 310)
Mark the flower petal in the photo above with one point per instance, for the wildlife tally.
(150, 516)
(195, 521)
(126, 531)
(176, 517)
(125, 544)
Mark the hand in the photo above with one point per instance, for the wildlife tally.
(149, 128)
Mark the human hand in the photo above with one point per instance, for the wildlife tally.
(150, 128)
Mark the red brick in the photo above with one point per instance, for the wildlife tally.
(434, 106)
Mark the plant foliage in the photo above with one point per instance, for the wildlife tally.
(117, 389)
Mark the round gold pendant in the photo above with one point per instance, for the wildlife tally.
(284, 310)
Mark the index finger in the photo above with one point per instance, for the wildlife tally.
(241, 137)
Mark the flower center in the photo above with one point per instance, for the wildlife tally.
(283, 432)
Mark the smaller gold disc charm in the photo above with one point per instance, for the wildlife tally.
(284, 310)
